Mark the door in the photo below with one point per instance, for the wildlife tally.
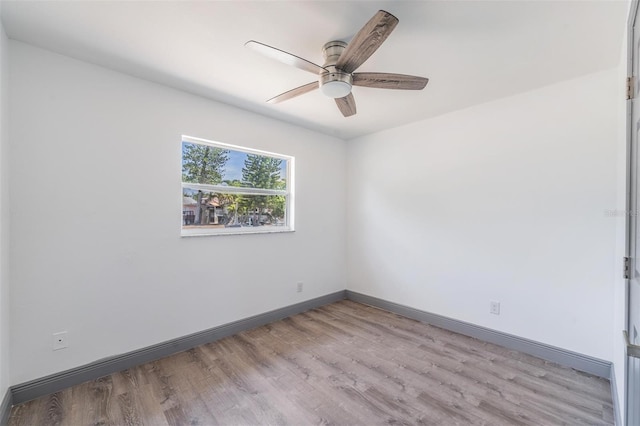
(632, 334)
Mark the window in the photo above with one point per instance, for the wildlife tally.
(228, 189)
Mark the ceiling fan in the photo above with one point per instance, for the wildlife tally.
(336, 77)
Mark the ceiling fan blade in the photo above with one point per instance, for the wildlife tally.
(294, 92)
(383, 80)
(282, 56)
(367, 41)
(347, 105)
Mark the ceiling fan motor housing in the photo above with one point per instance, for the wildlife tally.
(334, 83)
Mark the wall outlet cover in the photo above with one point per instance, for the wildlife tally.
(60, 340)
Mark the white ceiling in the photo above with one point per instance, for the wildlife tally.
(472, 51)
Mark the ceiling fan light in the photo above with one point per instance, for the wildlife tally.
(336, 89)
(336, 84)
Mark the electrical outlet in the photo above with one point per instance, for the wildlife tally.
(494, 307)
(299, 286)
(60, 340)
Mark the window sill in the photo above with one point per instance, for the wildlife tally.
(204, 232)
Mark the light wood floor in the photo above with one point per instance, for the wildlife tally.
(342, 364)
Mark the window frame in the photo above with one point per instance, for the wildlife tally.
(288, 192)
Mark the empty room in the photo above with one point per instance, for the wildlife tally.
(319, 212)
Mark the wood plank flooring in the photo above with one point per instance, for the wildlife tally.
(341, 364)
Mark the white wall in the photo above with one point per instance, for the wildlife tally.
(503, 201)
(95, 193)
(4, 215)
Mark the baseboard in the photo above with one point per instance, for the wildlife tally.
(58, 381)
(560, 356)
(617, 415)
(5, 407)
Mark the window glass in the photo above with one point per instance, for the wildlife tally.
(231, 189)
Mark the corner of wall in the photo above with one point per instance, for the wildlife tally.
(4, 218)
(619, 286)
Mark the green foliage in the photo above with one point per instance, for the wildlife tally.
(263, 172)
(233, 202)
(203, 163)
(278, 202)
